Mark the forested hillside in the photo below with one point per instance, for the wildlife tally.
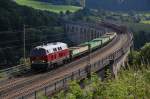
(120, 5)
(13, 16)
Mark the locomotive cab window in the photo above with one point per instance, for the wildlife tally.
(47, 51)
(38, 52)
(59, 48)
(54, 49)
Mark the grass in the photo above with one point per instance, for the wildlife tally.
(1, 76)
(147, 14)
(146, 21)
(47, 6)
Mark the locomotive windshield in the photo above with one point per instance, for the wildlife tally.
(38, 52)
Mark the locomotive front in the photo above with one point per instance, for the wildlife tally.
(47, 56)
(38, 58)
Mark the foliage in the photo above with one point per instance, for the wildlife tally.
(146, 21)
(26, 61)
(42, 97)
(13, 16)
(140, 57)
(134, 57)
(130, 84)
(77, 92)
(145, 53)
(74, 92)
(141, 33)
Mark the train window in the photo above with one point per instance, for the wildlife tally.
(76, 28)
(72, 29)
(80, 30)
(38, 52)
(47, 51)
(59, 48)
(92, 31)
(54, 49)
(84, 30)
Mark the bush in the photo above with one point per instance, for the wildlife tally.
(130, 84)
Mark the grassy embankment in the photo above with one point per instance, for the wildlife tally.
(146, 22)
(147, 15)
(47, 6)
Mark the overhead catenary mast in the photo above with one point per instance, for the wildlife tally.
(89, 58)
(82, 3)
(24, 43)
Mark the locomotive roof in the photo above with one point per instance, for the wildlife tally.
(49, 46)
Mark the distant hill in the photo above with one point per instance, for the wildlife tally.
(119, 5)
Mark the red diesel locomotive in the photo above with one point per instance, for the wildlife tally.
(47, 56)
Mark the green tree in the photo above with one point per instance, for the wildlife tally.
(134, 57)
(145, 53)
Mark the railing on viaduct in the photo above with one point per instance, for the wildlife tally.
(49, 89)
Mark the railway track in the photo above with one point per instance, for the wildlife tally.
(10, 85)
(7, 73)
(26, 85)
